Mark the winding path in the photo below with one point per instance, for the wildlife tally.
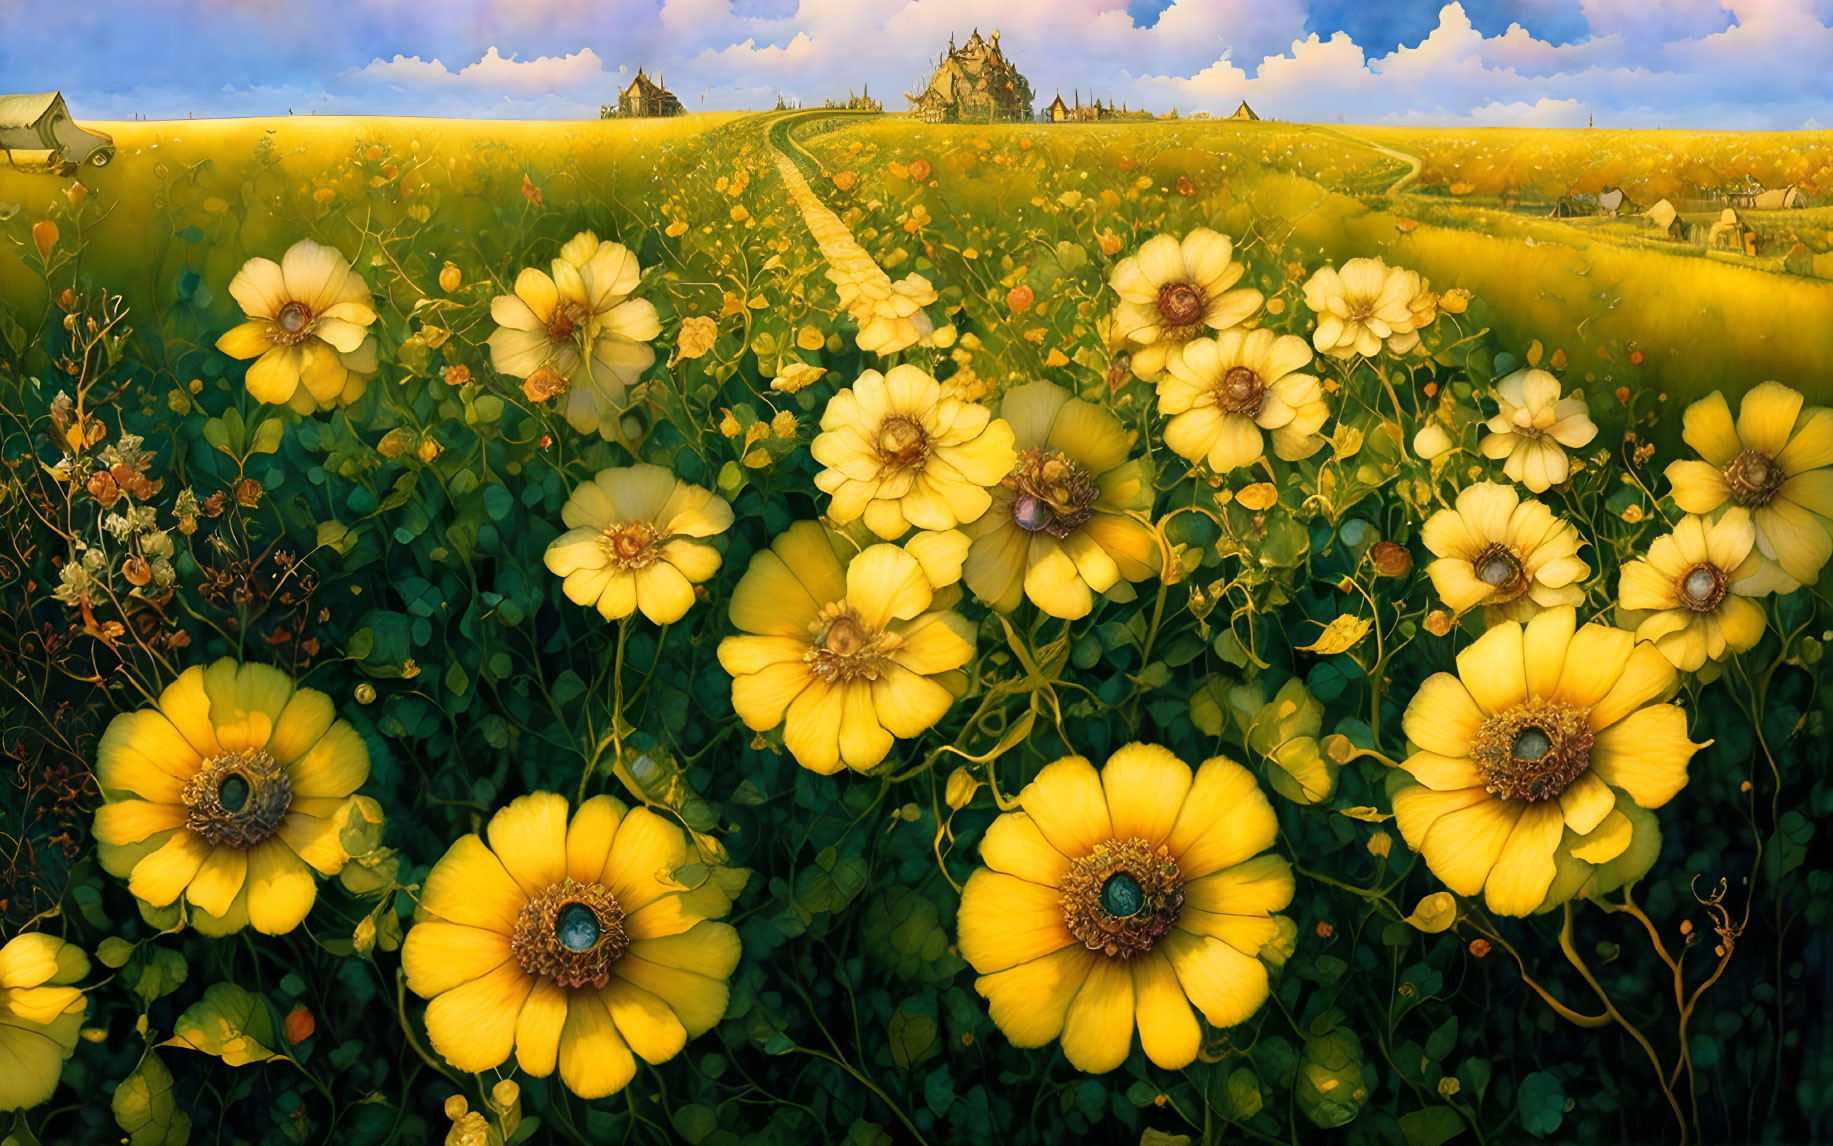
(1414, 163)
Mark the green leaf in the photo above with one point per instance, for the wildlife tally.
(819, 889)
(267, 436)
(695, 1122)
(1541, 1102)
(912, 1038)
(229, 1023)
(1206, 706)
(334, 534)
(114, 951)
(1330, 1089)
(145, 1109)
(1432, 1126)
(158, 972)
(1443, 1040)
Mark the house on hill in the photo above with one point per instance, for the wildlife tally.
(643, 98)
(1244, 112)
(974, 83)
(37, 133)
(1058, 111)
(1667, 221)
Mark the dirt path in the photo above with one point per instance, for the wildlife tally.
(1413, 162)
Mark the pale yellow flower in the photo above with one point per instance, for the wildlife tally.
(581, 323)
(849, 652)
(1697, 581)
(890, 314)
(1173, 291)
(900, 455)
(1366, 303)
(1222, 392)
(1511, 556)
(1533, 425)
(1775, 463)
(698, 334)
(635, 540)
(305, 328)
(794, 376)
(1059, 529)
(40, 1015)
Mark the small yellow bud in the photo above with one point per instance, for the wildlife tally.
(457, 1107)
(1380, 844)
(449, 278)
(1449, 1085)
(961, 788)
(365, 693)
(783, 425)
(729, 426)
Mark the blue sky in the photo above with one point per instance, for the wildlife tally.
(1745, 64)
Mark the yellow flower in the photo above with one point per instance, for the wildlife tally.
(40, 1014)
(900, 454)
(1363, 304)
(1058, 530)
(1171, 292)
(633, 542)
(697, 336)
(305, 328)
(569, 945)
(1511, 556)
(1774, 463)
(1699, 579)
(794, 376)
(1119, 898)
(1221, 392)
(890, 314)
(847, 653)
(230, 792)
(1538, 760)
(1532, 425)
(581, 323)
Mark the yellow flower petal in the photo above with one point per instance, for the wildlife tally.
(539, 1026)
(1014, 845)
(1225, 985)
(1442, 718)
(1525, 869)
(1098, 1029)
(1030, 1001)
(589, 837)
(281, 889)
(1145, 785)
(1068, 804)
(474, 1024)
(219, 880)
(162, 876)
(468, 885)
(529, 839)
(646, 1023)
(438, 956)
(1645, 754)
(697, 1000)
(1168, 1030)
(1004, 921)
(1225, 819)
(1493, 669)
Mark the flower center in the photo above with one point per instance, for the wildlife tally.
(1241, 391)
(1533, 751)
(1702, 587)
(1122, 898)
(1052, 493)
(1500, 569)
(846, 648)
(238, 799)
(1181, 304)
(1754, 477)
(294, 321)
(567, 316)
(572, 932)
(902, 442)
(633, 545)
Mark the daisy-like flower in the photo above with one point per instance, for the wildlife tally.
(1172, 292)
(1059, 531)
(40, 1015)
(580, 325)
(1532, 426)
(307, 316)
(569, 945)
(1697, 580)
(1539, 759)
(1223, 391)
(848, 653)
(900, 454)
(1118, 899)
(635, 540)
(1510, 556)
(1775, 463)
(230, 792)
(1364, 304)
(890, 314)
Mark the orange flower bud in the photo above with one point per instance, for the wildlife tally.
(299, 1025)
(44, 237)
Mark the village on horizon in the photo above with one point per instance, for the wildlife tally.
(974, 83)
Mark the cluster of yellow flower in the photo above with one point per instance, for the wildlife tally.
(1113, 900)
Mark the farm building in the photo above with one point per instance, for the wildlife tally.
(1762, 198)
(1667, 220)
(1730, 234)
(1058, 111)
(643, 98)
(974, 83)
(36, 132)
(1244, 112)
(1614, 202)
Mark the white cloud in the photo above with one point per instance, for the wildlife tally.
(492, 73)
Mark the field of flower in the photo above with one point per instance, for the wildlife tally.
(817, 628)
